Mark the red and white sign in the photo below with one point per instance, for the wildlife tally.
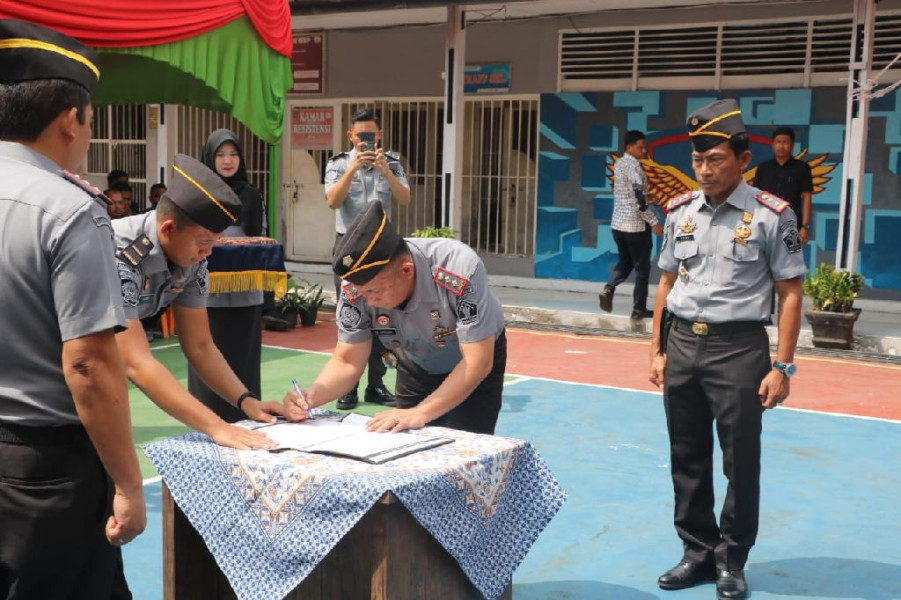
(311, 128)
(307, 63)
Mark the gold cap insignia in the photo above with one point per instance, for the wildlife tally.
(347, 260)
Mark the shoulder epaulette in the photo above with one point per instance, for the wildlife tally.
(680, 200)
(350, 291)
(94, 192)
(136, 251)
(339, 155)
(450, 281)
(774, 203)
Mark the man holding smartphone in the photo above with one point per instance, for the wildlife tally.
(353, 179)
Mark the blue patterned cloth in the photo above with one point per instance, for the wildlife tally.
(269, 518)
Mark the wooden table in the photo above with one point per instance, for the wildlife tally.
(388, 555)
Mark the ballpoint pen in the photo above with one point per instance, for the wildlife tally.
(300, 393)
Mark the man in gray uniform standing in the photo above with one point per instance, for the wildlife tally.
(725, 249)
(352, 180)
(161, 260)
(64, 419)
(428, 302)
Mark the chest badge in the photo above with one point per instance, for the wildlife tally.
(683, 273)
(383, 320)
(747, 217)
(435, 315)
(687, 225)
(742, 233)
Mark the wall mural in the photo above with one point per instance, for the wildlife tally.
(581, 137)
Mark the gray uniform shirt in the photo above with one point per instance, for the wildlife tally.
(153, 284)
(368, 185)
(728, 257)
(451, 304)
(57, 283)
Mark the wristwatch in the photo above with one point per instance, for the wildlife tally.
(787, 369)
(804, 226)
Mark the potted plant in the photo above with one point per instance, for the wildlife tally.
(288, 307)
(832, 318)
(433, 232)
(310, 301)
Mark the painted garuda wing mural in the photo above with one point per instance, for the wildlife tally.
(666, 182)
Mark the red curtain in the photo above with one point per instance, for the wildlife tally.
(131, 23)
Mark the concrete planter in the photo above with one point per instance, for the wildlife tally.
(832, 329)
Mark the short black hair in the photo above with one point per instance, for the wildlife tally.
(167, 209)
(633, 137)
(114, 175)
(27, 108)
(784, 131)
(364, 115)
(157, 186)
(740, 143)
(121, 186)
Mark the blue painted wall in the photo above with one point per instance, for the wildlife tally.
(580, 131)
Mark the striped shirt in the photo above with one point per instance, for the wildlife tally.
(626, 216)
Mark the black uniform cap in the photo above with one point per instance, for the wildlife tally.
(202, 194)
(367, 247)
(714, 124)
(29, 52)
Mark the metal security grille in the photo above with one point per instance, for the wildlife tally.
(790, 53)
(118, 141)
(194, 125)
(499, 168)
(500, 175)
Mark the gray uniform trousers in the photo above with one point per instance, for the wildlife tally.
(709, 379)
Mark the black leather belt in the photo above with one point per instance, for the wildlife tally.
(702, 328)
(42, 436)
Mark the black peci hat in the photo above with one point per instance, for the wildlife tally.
(29, 52)
(714, 124)
(202, 194)
(367, 247)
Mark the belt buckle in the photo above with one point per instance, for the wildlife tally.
(698, 328)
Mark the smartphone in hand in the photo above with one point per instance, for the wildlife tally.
(368, 140)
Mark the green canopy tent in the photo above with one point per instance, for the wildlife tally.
(230, 56)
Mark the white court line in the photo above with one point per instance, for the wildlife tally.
(175, 345)
(613, 387)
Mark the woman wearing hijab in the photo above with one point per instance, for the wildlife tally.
(235, 316)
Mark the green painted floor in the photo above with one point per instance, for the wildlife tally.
(150, 423)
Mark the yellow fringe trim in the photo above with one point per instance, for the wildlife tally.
(249, 281)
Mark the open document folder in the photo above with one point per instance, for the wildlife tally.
(346, 435)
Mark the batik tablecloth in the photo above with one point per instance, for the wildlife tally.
(269, 518)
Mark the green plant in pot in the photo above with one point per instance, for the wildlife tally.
(833, 314)
(310, 301)
(288, 307)
(434, 232)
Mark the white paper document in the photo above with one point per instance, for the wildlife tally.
(347, 436)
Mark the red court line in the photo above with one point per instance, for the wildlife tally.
(846, 386)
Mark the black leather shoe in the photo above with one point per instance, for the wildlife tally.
(637, 314)
(731, 585)
(606, 299)
(379, 394)
(348, 400)
(685, 575)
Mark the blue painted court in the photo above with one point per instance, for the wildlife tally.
(829, 506)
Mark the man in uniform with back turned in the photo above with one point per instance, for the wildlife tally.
(70, 486)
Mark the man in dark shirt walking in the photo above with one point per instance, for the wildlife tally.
(788, 178)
